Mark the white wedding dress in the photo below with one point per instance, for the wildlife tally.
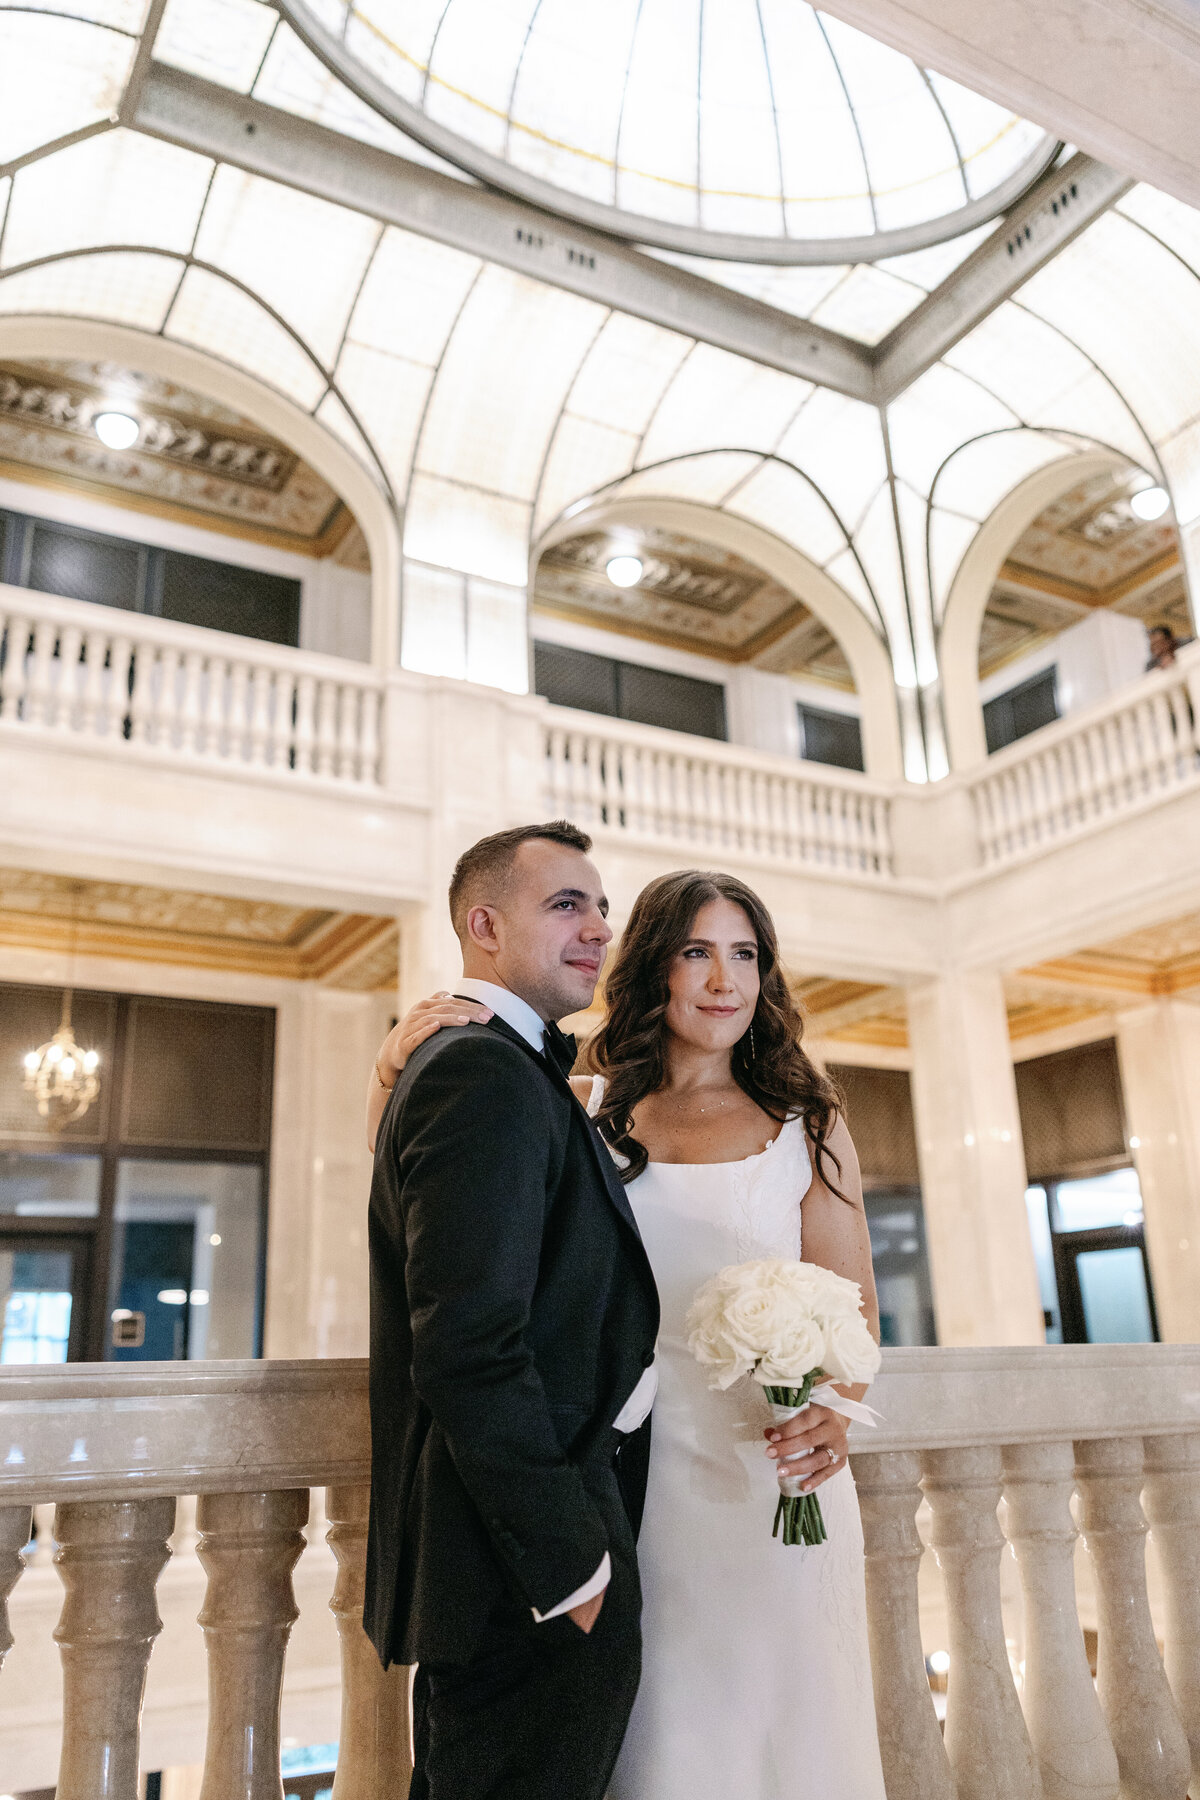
(756, 1678)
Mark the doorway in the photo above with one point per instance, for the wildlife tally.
(1090, 1246)
(43, 1275)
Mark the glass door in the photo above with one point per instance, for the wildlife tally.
(1090, 1248)
(44, 1282)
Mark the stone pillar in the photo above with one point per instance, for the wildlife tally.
(1159, 1050)
(985, 1288)
(321, 1173)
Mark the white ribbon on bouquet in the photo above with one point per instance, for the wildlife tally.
(792, 1486)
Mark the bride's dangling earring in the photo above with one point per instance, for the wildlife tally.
(752, 1043)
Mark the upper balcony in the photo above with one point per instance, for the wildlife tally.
(134, 743)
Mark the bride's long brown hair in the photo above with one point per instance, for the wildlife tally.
(767, 1062)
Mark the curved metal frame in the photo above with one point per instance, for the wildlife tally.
(658, 234)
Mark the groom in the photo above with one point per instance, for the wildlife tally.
(513, 1318)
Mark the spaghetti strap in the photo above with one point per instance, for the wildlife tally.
(596, 1095)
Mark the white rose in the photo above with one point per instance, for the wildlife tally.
(725, 1364)
(796, 1352)
(756, 1317)
(851, 1353)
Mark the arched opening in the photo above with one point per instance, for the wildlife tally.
(752, 640)
(1052, 606)
(228, 506)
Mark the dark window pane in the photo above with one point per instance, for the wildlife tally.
(879, 1113)
(1072, 1117)
(575, 678)
(829, 737)
(198, 1075)
(601, 684)
(222, 597)
(82, 565)
(1023, 709)
(678, 702)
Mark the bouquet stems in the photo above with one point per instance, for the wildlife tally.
(799, 1514)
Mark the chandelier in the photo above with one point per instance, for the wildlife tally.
(63, 1078)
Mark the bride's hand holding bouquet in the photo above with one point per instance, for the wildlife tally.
(784, 1325)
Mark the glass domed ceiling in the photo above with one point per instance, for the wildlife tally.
(760, 130)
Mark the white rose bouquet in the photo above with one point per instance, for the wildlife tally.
(783, 1324)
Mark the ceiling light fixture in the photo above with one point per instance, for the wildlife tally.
(116, 429)
(1149, 503)
(624, 571)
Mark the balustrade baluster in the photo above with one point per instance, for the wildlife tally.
(368, 746)
(986, 1740)
(373, 1744)
(39, 675)
(16, 1527)
(61, 702)
(594, 769)
(982, 800)
(239, 740)
(347, 732)
(91, 693)
(110, 1555)
(260, 715)
(1172, 1502)
(14, 680)
(882, 812)
(166, 711)
(306, 694)
(1066, 1724)
(1159, 760)
(1182, 757)
(213, 733)
(249, 1545)
(910, 1743)
(1147, 1734)
(191, 728)
(279, 748)
(1193, 712)
(141, 698)
(1133, 727)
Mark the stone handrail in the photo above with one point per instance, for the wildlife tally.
(1137, 745)
(659, 787)
(93, 672)
(1119, 1426)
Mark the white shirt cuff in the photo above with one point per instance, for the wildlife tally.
(636, 1409)
(588, 1591)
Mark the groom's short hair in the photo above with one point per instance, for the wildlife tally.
(481, 873)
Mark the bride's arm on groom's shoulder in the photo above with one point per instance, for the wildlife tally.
(418, 1023)
(833, 1234)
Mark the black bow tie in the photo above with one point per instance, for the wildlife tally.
(561, 1047)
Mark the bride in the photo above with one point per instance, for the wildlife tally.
(756, 1681)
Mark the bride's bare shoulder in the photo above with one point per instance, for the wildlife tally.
(581, 1087)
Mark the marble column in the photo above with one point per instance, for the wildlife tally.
(1159, 1050)
(985, 1287)
(321, 1173)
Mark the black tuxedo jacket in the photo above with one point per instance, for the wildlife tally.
(513, 1312)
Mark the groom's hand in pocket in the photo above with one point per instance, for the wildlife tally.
(811, 1446)
(587, 1612)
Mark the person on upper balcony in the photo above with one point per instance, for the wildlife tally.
(1163, 645)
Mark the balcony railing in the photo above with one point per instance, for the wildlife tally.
(1118, 1427)
(1112, 759)
(713, 798)
(90, 672)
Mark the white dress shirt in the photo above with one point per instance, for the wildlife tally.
(532, 1027)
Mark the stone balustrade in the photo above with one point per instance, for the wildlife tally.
(93, 672)
(659, 787)
(1108, 760)
(978, 1450)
